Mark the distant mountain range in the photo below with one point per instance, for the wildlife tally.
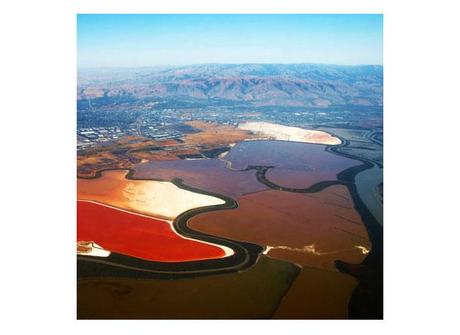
(259, 84)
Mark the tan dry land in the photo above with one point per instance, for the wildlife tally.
(157, 198)
(131, 150)
(215, 135)
(163, 155)
(114, 156)
(286, 133)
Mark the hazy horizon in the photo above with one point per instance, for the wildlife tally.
(155, 40)
(216, 63)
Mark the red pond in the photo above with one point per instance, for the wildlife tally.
(137, 235)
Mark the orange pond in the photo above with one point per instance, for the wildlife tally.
(154, 198)
(308, 229)
(138, 235)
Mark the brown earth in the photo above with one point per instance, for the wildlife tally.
(112, 156)
(213, 134)
(251, 294)
(130, 150)
(163, 155)
(89, 169)
(308, 229)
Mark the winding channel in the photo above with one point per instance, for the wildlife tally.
(245, 254)
(367, 299)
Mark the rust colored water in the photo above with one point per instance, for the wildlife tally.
(307, 229)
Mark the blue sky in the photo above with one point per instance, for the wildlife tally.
(149, 40)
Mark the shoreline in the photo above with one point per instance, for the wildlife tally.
(245, 254)
(366, 301)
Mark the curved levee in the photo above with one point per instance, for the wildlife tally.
(245, 254)
(367, 299)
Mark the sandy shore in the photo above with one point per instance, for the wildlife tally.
(91, 249)
(287, 133)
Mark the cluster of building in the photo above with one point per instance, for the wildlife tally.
(160, 132)
(164, 123)
(88, 137)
